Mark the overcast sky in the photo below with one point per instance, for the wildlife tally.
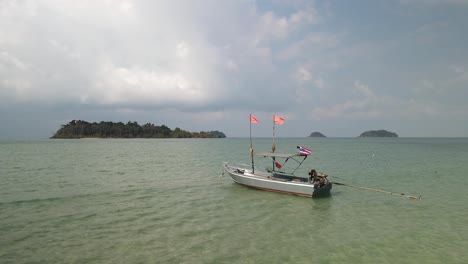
(337, 67)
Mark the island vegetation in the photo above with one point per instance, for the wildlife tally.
(83, 129)
(316, 134)
(378, 133)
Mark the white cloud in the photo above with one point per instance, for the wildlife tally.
(158, 53)
(10, 62)
(363, 90)
(308, 84)
(365, 104)
(103, 52)
(133, 86)
(305, 17)
(182, 50)
(303, 75)
(64, 49)
(435, 2)
(313, 46)
(461, 76)
(320, 83)
(276, 27)
(460, 69)
(280, 27)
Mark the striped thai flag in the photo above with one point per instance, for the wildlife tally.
(303, 151)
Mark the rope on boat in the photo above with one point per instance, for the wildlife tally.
(377, 190)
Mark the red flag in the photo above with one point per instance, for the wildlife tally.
(253, 119)
(278, 120)
(278, 165)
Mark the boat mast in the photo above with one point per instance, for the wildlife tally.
(273, 147)
(251, 147)
(279, 120)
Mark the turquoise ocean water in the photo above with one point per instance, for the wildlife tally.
(164, 201)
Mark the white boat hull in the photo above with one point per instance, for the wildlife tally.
(264, 181)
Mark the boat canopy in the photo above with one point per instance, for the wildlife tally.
(276, 155)
(286, 156)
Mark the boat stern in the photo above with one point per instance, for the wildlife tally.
(322, 191)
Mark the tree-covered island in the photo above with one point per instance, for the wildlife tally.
(378, 133)
(83, 129)
(316, 134)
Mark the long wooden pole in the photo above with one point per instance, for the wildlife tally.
(377, 190)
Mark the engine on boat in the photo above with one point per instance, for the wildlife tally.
(318, 179)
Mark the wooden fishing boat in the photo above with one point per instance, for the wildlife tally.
(274, 180)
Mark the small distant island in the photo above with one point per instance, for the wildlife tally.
(378, 133)
(316, 134)
(83, 129)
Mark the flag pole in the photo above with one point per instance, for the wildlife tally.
(251, 147)
(273, 147)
